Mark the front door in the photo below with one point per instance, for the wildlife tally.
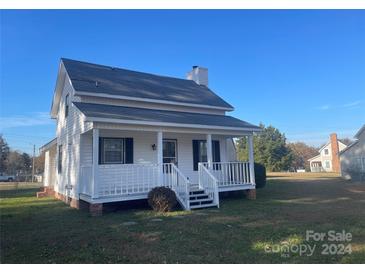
(170, 151)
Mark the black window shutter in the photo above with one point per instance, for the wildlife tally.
(129, 150)
(195, 154)
(216, 151)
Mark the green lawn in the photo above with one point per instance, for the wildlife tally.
(47, 231)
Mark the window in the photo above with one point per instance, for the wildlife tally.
(112, 151)
(202, 155)
(326, 151)
(66, 105)
(327, 163)
(200, 152)
(115, 151)
(170, 151)
(59, 159)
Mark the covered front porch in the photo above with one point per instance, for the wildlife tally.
(121, 163)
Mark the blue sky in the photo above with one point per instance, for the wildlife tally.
(300, 71)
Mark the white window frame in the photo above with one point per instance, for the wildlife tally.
(327, 164)
(164, 157)
(59, 159)
(67, 105)
(103, 160)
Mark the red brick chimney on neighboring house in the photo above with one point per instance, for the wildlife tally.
(335, 153)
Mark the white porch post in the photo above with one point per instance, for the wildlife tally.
(159, 156)
(47, 169)
(95, 181)
(209, 150)
(251, 158)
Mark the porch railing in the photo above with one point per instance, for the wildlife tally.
(208, 182)
(317, 169)
(135, 179)
(174, 179)
(127, 179)
(230, 173)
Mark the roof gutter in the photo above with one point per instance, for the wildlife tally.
(136, 122)
(48, 146)
(357, 135)
(111, 96)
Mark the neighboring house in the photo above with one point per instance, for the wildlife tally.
(328, 159)
(121, 132)
(353, 158)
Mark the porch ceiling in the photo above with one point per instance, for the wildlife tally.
(153, 117)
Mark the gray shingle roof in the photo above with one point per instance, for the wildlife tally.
(160, 116)
(95, 78)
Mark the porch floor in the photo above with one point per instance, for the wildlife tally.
(113, 198)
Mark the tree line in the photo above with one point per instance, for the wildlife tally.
(272, 150)
(14, 162)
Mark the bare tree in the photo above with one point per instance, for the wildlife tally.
(4, 153)
(301, 153)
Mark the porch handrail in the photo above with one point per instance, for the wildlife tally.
(231, 173)
(174, 179)
(208, 182)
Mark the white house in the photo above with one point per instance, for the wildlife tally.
(328, 159)
(121, 132)
(353, 158)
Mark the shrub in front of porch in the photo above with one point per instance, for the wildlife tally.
(162, 199)
(260, 175)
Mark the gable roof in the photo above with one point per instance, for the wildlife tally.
(144, 116)
(48, 145)
(311, 159)
(324, 146)
(349, 146)
(105, 80)
(357, 135)
(328, 143)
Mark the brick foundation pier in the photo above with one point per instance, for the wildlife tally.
(250, 194)
(96, 209)
(45, 192)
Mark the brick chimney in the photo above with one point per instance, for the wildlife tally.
(199, 75)
(335, 153)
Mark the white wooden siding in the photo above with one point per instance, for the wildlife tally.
(86, 149)
(350, 159)
(144, 154)
(68, 135)
(231, 151)
(50, 167)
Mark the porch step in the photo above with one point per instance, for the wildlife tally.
(201, 201)
(196, 192)
(198, 198)
(202, 206)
